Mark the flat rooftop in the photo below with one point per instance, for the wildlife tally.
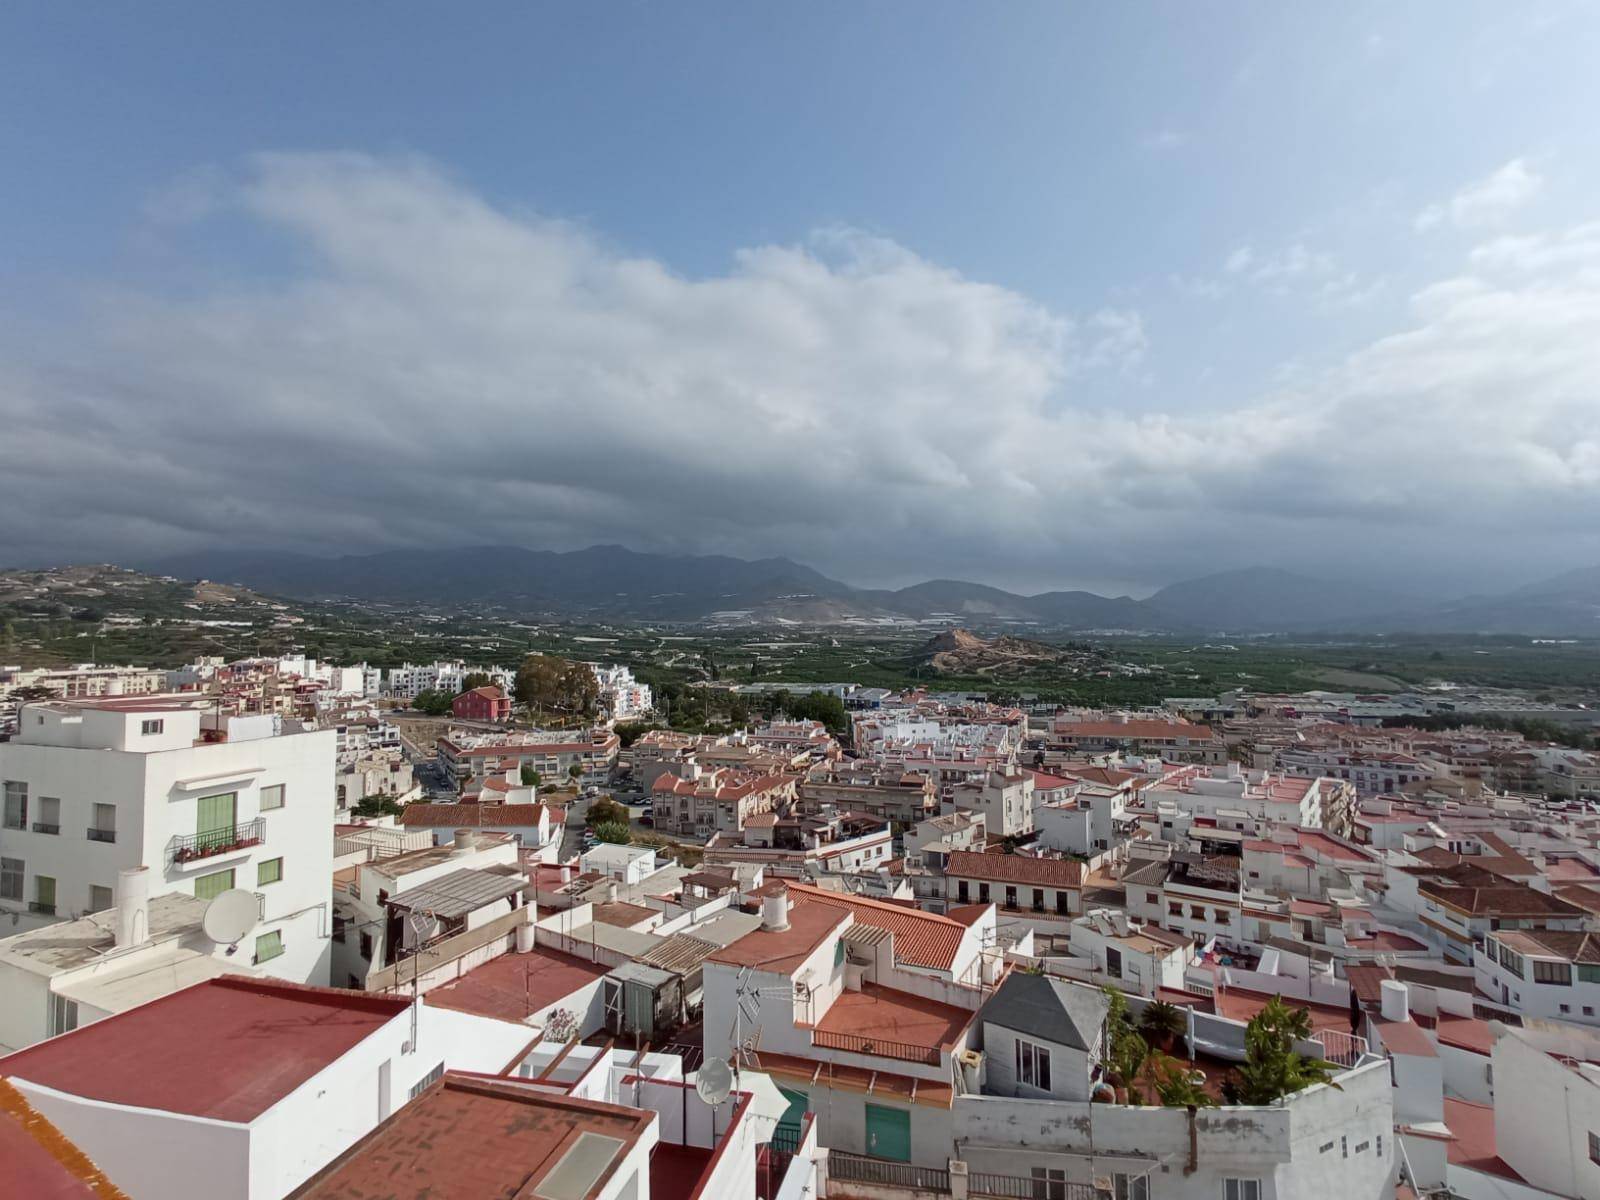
(513, 987)
(896, 1016)
(68, 944)
(781, 951)
(40, 1163)
(227, 1049)
(467, 1138)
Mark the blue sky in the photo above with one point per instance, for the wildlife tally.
(1211, 214)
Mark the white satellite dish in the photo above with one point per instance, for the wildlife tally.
(714, 1081)
(230, 916)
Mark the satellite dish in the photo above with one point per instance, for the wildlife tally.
(714, 1081)
(230, 916)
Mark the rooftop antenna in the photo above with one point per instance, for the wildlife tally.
(230, 916)
(747, 1007)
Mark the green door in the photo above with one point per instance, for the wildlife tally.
(889, 1133)
(214, 822)
(788, 1132)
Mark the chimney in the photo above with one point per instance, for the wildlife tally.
(1395, 1000)
(133, 906)
(775, 910)
(566, 874)
(463, 843)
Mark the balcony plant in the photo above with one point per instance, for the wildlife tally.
(1273, 1068)
(1162, 1024)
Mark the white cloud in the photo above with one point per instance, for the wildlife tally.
(431, 370)
(1486, 203)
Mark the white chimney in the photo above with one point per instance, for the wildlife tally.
(566, 873)
(525, 932)
(1394, 1000)
(775, 910)
(133, 906)
(463, 843)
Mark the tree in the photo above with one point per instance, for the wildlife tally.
(819, 706)
(629, 732)
(573, 772)
(475, 679)
(1127, 1051)
(568, 688)
(1273, 1068)
(433, 703)
(606, 811)
(616, 833)
(1161, 1023)
(1174, 1083)
(530, 777)
(377, 806)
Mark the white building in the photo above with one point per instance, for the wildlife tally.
(244, 1088)
(206, 803)
(623, 696)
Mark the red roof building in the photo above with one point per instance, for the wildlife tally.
(487, 703)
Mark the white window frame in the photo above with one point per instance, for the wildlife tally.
(1234, 1188)
(1033, 1064)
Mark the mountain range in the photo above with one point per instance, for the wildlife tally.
(612, 582)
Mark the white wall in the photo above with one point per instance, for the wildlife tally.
(1543, 1114)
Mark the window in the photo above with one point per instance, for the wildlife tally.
(1588, 973)
(365, 946)
(16, 816)
(1038, 899)
(1049, 1183)
(426, 1081)
(1344, 1147)
(11, 870)
(208, 887)
(1558, 973)
(1197, 911)
(1362, 1147)
(104, 828)
(1130, 1187)
(983, 893)
(44, 895)
(1326, 1146)
(1033, 1065)
(151, 728)
(1222, 916)
(1594, 1147)
(339, 924)
(100, 898)
(1113, 963)
(48, 815)
(1011, 896)
(63, 1015)
(961, 892)
(1152, 897)
(1174, 908)
(1241, 1189)
(269, 946)
(1566, 1008)
(1061, 903)
(272, 797)
(1380, 1145)
(270, 871)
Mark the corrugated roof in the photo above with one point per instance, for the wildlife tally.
(459, 893)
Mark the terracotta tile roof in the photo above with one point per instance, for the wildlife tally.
(1015, 868)
(1574, 945)
(40, 1163)
(921, 939)
(473, 816)
(781, 951)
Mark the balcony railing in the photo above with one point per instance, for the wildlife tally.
(45, 827)
(858, 1168)
(856, 1043)
(39, 906)
(102, 835)
(216, 841)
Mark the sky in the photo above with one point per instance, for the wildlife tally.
(1039, 295)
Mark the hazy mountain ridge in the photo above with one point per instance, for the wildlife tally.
(614, 582)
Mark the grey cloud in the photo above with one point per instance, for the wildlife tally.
(430, 369)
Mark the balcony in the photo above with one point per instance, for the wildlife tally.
(101, 835)
(199, 846)
(855, 1043)
(45, 827)
(40, 907)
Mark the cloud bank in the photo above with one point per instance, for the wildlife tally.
(425, 368)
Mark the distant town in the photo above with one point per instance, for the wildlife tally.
(777, 937)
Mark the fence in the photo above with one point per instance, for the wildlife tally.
(857, 1044)
(857, 1168)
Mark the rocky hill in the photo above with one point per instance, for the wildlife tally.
(962, 652)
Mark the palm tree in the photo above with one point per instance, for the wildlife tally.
(1175, 1084)
(1161, 1023)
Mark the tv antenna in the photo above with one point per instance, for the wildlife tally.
(747, 1007)
(230, 916)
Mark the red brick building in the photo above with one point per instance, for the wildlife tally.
(482, 704)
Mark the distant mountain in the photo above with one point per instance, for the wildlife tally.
(612, 582)
(1264, 599)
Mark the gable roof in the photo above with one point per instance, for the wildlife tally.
(472, 816)
(1015, 868)
(921, 939)
(1069, 1014)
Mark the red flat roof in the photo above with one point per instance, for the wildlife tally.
(513, 987)
(896, 1016)
(1238, 1004)
(227, 1049)
(467, 1138)
(1472, 1142)
(782, 951)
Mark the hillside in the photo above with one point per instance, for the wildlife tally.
(962, 652)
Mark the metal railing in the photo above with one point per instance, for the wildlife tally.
(855, 1043)
(40, 907)
(44, 827)
(1345, 1049)
(101, 835)
(216, 841)
(858, 1168)
(1020, 1187)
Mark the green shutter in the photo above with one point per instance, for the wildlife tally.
(269, 871)
(214, 820)
(269, 945)
(208, 887)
